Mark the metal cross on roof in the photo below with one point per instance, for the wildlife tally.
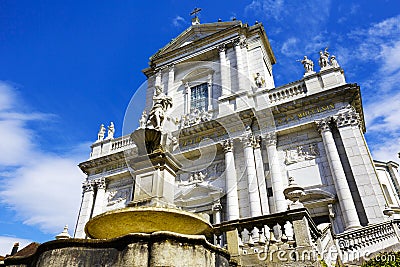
(195, 11)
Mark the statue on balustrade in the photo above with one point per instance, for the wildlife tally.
(308, 64)
(102, 131)
(161, 103)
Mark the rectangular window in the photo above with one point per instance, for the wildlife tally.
(199, 97)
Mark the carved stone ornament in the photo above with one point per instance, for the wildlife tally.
(294, 193)
(217, 206)
(197, 177)
(100, 183)
(227, 145)
(222, 48)
(194, 118)
(323, 125)
(301, 153)
(117, 196)
(347, 117)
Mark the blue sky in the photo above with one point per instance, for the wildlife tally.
(68, 66)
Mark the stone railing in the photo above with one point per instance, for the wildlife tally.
(254, 237)
(361, 243)
(287, 92)
(121, 142)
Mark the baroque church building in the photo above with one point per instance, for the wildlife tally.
(282, 168)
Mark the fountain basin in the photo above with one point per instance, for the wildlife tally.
(124, 221)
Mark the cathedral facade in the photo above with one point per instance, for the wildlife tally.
(242, 142)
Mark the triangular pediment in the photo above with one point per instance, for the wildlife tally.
(195, 33)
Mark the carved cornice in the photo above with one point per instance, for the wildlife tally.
(347, 117)
(227, 145)
(323, 125)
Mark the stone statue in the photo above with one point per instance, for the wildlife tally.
(102, 131)
(334, 62)
(323, 59)
(308, 64)
(161, 103)
(111, 131)
(142, 121)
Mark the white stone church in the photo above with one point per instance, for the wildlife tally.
(251, 151)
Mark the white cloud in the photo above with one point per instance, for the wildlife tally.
(290, 48)
(43, 189)
(178, 21)
(7, 243)
(268, 8)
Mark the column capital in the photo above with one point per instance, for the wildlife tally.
(240, 42)
(347, 117)
(323, 124)
(221, 48)
(257, 141)
(248, 139)
(227, 145)
(271, 139)
(100, 183)
(87, 186)
(171, 67)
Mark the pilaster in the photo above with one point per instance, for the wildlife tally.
(361, 164)
(171, 77)
(86, 209)
(224, 70)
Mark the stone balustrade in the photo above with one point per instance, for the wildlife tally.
(121, 142)
(359, 244)
(287, 92)
(289, 230)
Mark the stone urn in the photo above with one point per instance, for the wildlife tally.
(294, 193)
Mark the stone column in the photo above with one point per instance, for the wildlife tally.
(361, 163)
(224, 70)
(171, 77)
(239, 62)
(101, 192)
(346, 202)
(261, 176)
(276, 175)
(86, 209)
(232, 198)
(254, 196)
